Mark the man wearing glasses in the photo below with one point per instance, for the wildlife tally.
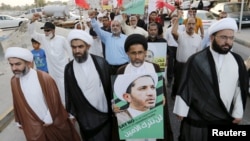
(55, 47)
(205, 41)
(214, 86)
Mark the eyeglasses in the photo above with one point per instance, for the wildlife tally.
(117, 25)
(46, 30)
(225, 38)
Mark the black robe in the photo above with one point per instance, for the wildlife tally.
(94, 125)
(199, 89)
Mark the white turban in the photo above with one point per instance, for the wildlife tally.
(19, 52)
(122, 82)
(225, 23)
(80, 34)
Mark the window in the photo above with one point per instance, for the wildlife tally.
(33, 11)
(38, 10)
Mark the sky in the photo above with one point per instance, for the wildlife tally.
(22, 2)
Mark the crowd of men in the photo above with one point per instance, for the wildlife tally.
(209, 84)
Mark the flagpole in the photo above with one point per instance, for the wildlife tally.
(80, 13)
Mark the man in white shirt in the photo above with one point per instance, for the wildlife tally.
(172, 48)
(132, 28)
(188, 44)
(57, 51)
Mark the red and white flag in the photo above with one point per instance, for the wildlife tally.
(82, 4)
(119, 3)
(160, 4)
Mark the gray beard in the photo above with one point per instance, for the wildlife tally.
(24, 72)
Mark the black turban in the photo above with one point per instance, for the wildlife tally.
(135, 39)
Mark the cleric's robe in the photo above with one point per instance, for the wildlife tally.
(203, 96)
(94, 124)
(61, 129)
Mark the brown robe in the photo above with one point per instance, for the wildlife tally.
(61, 129)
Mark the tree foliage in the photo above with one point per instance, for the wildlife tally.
(39, 3)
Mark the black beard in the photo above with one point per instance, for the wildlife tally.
(217, 48)
(152, 36)
(82, 58)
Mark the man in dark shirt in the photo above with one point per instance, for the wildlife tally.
(153, 33)
(106, 24)
(152, 19)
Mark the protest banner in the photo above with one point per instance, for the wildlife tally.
(139, 100)
(157, 53)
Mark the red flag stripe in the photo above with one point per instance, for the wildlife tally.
(160, 4)
(119, 3)
(82, 3)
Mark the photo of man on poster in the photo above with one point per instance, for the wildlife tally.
(150, 56)
(139, 101)
(139, 91)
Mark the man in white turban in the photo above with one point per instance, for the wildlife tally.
(206, 40)
(214, 86)
(139, 91)
(37, 105)
(88, 89)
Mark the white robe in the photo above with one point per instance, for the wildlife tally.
(93, 89)
(58, 54)
(144, 68)
(33, 94)
(96, 47)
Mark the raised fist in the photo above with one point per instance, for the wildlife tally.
(92, 14)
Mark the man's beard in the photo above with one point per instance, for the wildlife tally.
(23, 72)
(50, 36)
(190, 31)
(152, 36)
(82, 58)
(115, 32)
(137, 63)
(217, 48)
